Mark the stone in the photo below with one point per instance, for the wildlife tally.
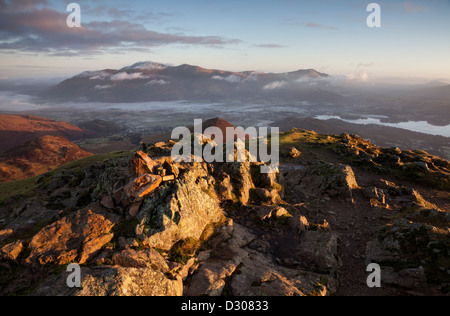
(241, 179)
(125, 243)
(11, 251)
(71, 240)
(113, 281)
(5, 234)
(299, 224)
(180, 210)
(134, 209)
(294, 153)
(323, 179)
(138, 188)
(267, 213)
(224, 188)
(148, 258)
(318, 249)
(107, 202)
(140, 164)
(270, 196)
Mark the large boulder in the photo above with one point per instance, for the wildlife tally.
(179, 210)
(113, 281)
(322, 179)
(71, 240)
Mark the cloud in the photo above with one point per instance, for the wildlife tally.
(275, 85)
(156, 82)
(412, 8)
(269, 46)
(100, 87)
(319, 26)
(126, 76)
(230, 78)
(360, 75)
(366, 65)
(32, 26)
(310, 24)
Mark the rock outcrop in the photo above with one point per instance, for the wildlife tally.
(71, 240)
(142, 225)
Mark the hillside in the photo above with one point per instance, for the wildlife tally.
(16, 130)
(37, 157)
(381, 135)
(171, 228)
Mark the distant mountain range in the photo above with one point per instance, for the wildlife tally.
(148, 81)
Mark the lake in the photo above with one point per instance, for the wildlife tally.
(418, 126)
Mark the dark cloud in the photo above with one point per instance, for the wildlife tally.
(269, 46)
(30, 26)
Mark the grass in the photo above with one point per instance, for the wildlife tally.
(17, 190)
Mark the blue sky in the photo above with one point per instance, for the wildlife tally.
(266, 35)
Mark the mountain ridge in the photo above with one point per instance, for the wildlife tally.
(149, 81)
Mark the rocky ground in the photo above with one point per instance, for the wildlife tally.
(151, 226)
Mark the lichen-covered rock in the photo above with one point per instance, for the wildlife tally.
(241, 179)
(417, 252)
(179, 210)
(113, 281)
(321, 179)
(71, 240)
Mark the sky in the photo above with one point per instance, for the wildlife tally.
(261, 35)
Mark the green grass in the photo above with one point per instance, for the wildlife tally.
(24, 188)
(20, 188)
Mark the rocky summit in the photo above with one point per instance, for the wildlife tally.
(140, 223)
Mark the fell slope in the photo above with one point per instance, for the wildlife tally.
(37, 157)
(16, 130)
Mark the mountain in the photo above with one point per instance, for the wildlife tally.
(148, 81)
(37, 157)
(16, 130)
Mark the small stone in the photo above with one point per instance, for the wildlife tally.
(11, 251)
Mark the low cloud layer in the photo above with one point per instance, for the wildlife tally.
(33, 26)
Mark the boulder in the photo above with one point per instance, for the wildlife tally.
(241, 179)
(141, 163)
(318, 250)
(148, 258)
(179, 210)
(113, 281)
(323, 179)
(143, 185)
(70, 240)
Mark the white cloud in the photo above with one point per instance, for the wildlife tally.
(360, 75)
(230, 78)
(125, 76)
(157, 82)
(275, 85)
(100, 87)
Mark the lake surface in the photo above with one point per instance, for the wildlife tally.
(418, 126)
